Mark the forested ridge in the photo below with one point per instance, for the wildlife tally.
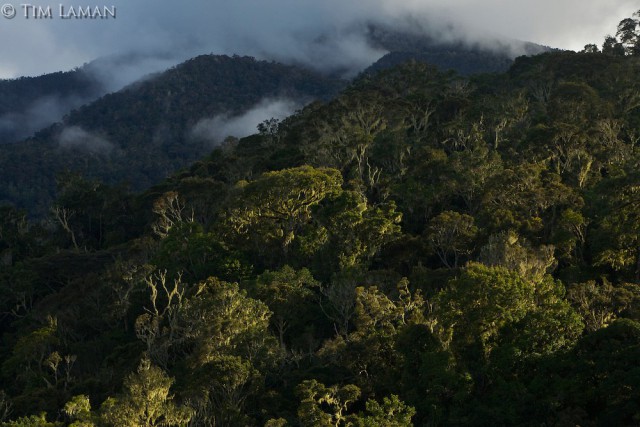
(413, 44)
(424, 249)
(143, 133)
(26, 98)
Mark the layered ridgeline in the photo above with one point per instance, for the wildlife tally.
(29, 104)
(141, 134)
(423, 249)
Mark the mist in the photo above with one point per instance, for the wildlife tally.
(149, 36)
(114, 72)
(107, 74)
(76, 138)
(38, 114)
(215, 129)
(325, 35)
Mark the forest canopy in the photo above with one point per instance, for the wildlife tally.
(424, 249)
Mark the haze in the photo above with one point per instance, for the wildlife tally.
(312, 32)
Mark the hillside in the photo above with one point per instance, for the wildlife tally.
(141, 134)
(28, 104)
(466, 58)
(422, 249)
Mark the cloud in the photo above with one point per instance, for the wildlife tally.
(106, 74)
(318, 33)
(217, 128)
(40, 113)
(113, 72)
(74, 137)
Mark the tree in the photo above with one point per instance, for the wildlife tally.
(324, 406)
(222, 387)
(91, 214)
(293, 297)
(598, 377)
(171, 212)
(32, 421)
(591, 48)
(391, 413)
(328, 406)
(611, 46)
(78, 410)
(368, 351)
(222, 320)
(600, 304)
(507, 249)
(471, 165)
(616, 239)
(146, 401)
(274, 208)
(30, 355)
(431, 378)
(481, 301)
(196, 254)
(19, 238)
(355, 230)
(160, 327)
(549, 329)
(522, 197)
(629, 35)
(451, 236)
(228, 348)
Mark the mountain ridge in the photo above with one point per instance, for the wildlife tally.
(142, 133)
(160, 120)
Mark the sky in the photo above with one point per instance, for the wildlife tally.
(289, 30)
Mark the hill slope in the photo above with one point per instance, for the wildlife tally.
(465, 58)
(142, 133)
(422, 249)
(28, 104)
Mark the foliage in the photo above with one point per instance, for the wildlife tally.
(146, 401)
(425, 248)
(145, 131)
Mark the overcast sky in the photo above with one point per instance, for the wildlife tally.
(283, 29)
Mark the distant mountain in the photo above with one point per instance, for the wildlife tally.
(28, 104)
(463, 57)
(167, 120)
(144, 132)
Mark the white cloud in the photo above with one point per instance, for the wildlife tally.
(217, 128)
(74, 137)
(39, 114)
(288, 29)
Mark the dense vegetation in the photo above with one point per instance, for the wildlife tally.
(142, 134)
(423, 249)
(26, 102)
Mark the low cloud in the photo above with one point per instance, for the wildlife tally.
(39, 114)
(104, 75)
(113, 72)
(74, 137)
(319, 34)
(216, 129)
